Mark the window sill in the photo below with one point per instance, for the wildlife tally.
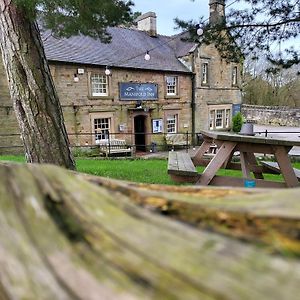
(220, 129)
(100, 97)
(172, 97)
(205, 85)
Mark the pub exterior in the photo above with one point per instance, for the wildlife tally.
(140, 87)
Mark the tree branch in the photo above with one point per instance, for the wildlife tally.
(266, 25)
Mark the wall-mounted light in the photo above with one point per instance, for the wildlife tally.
(76, 78)
(147, 56)
(199, 30)
(107, 71)
(138, 104)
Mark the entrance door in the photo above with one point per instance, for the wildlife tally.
(139, 133)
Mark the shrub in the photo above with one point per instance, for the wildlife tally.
(237, 122)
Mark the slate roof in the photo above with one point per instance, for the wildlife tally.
(179, 44)
(127, 49)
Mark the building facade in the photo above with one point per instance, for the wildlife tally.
(115, 90)
(135, 105)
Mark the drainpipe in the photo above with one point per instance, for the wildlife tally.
(193, 102)
(193, 106)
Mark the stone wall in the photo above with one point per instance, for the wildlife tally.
(219, 90)
(272, 115)
(80, 108)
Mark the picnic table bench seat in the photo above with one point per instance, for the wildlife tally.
(114, 146)
(273, 166)
(181, 167)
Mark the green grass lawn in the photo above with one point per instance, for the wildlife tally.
(139, 170)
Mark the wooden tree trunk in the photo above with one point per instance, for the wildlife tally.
(69, 236)
(35, 100)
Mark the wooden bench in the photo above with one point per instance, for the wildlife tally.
(114, 146)
(176, 139)
(273, 166)
(181, 167)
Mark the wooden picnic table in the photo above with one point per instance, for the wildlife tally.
(229, 143)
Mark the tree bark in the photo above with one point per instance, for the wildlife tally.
(32, 90)
(69, 236)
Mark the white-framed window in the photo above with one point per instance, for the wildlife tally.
(219, 121)
(172, 83)
(204, 73)
(219, 117)
(99, 85)
(211, 119)
(172, 124)
(234, 77)
(102, 128)
(227, 117)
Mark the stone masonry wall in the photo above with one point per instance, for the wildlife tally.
(272, 115)
(79, 107)
(219, 90)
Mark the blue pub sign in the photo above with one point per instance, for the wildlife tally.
(138, 91)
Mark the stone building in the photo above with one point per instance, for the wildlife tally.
(116, 89)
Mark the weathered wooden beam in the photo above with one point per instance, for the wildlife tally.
(70, 236)
(256, 215)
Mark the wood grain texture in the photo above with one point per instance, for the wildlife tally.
(66, 235)
(228, 136)
(180, 163)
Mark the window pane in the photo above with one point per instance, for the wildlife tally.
(227, 118)
(212, 119)
(171, 85)
(101, 128)
(219, 118)
(204, 74)
(234, 75)
(99, 85)
(171, 124)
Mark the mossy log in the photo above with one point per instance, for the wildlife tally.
(66, 235)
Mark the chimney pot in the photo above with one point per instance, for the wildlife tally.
(147, 22)
(216, 11)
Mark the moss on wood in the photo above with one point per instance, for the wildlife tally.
(69, 236)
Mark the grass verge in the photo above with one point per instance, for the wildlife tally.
(139, 170)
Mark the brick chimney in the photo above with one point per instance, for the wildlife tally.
(216, 11)
(147, 22)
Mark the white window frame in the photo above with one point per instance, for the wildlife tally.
(172, 85)
(219, 117)
(212, 119)
(172, 121)
(102, 129)
(204, 73)
(99, 85)
(234, 76)
(227, 117)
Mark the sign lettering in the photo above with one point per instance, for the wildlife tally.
(138, 91)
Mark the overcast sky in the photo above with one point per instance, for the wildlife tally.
(167, 10)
